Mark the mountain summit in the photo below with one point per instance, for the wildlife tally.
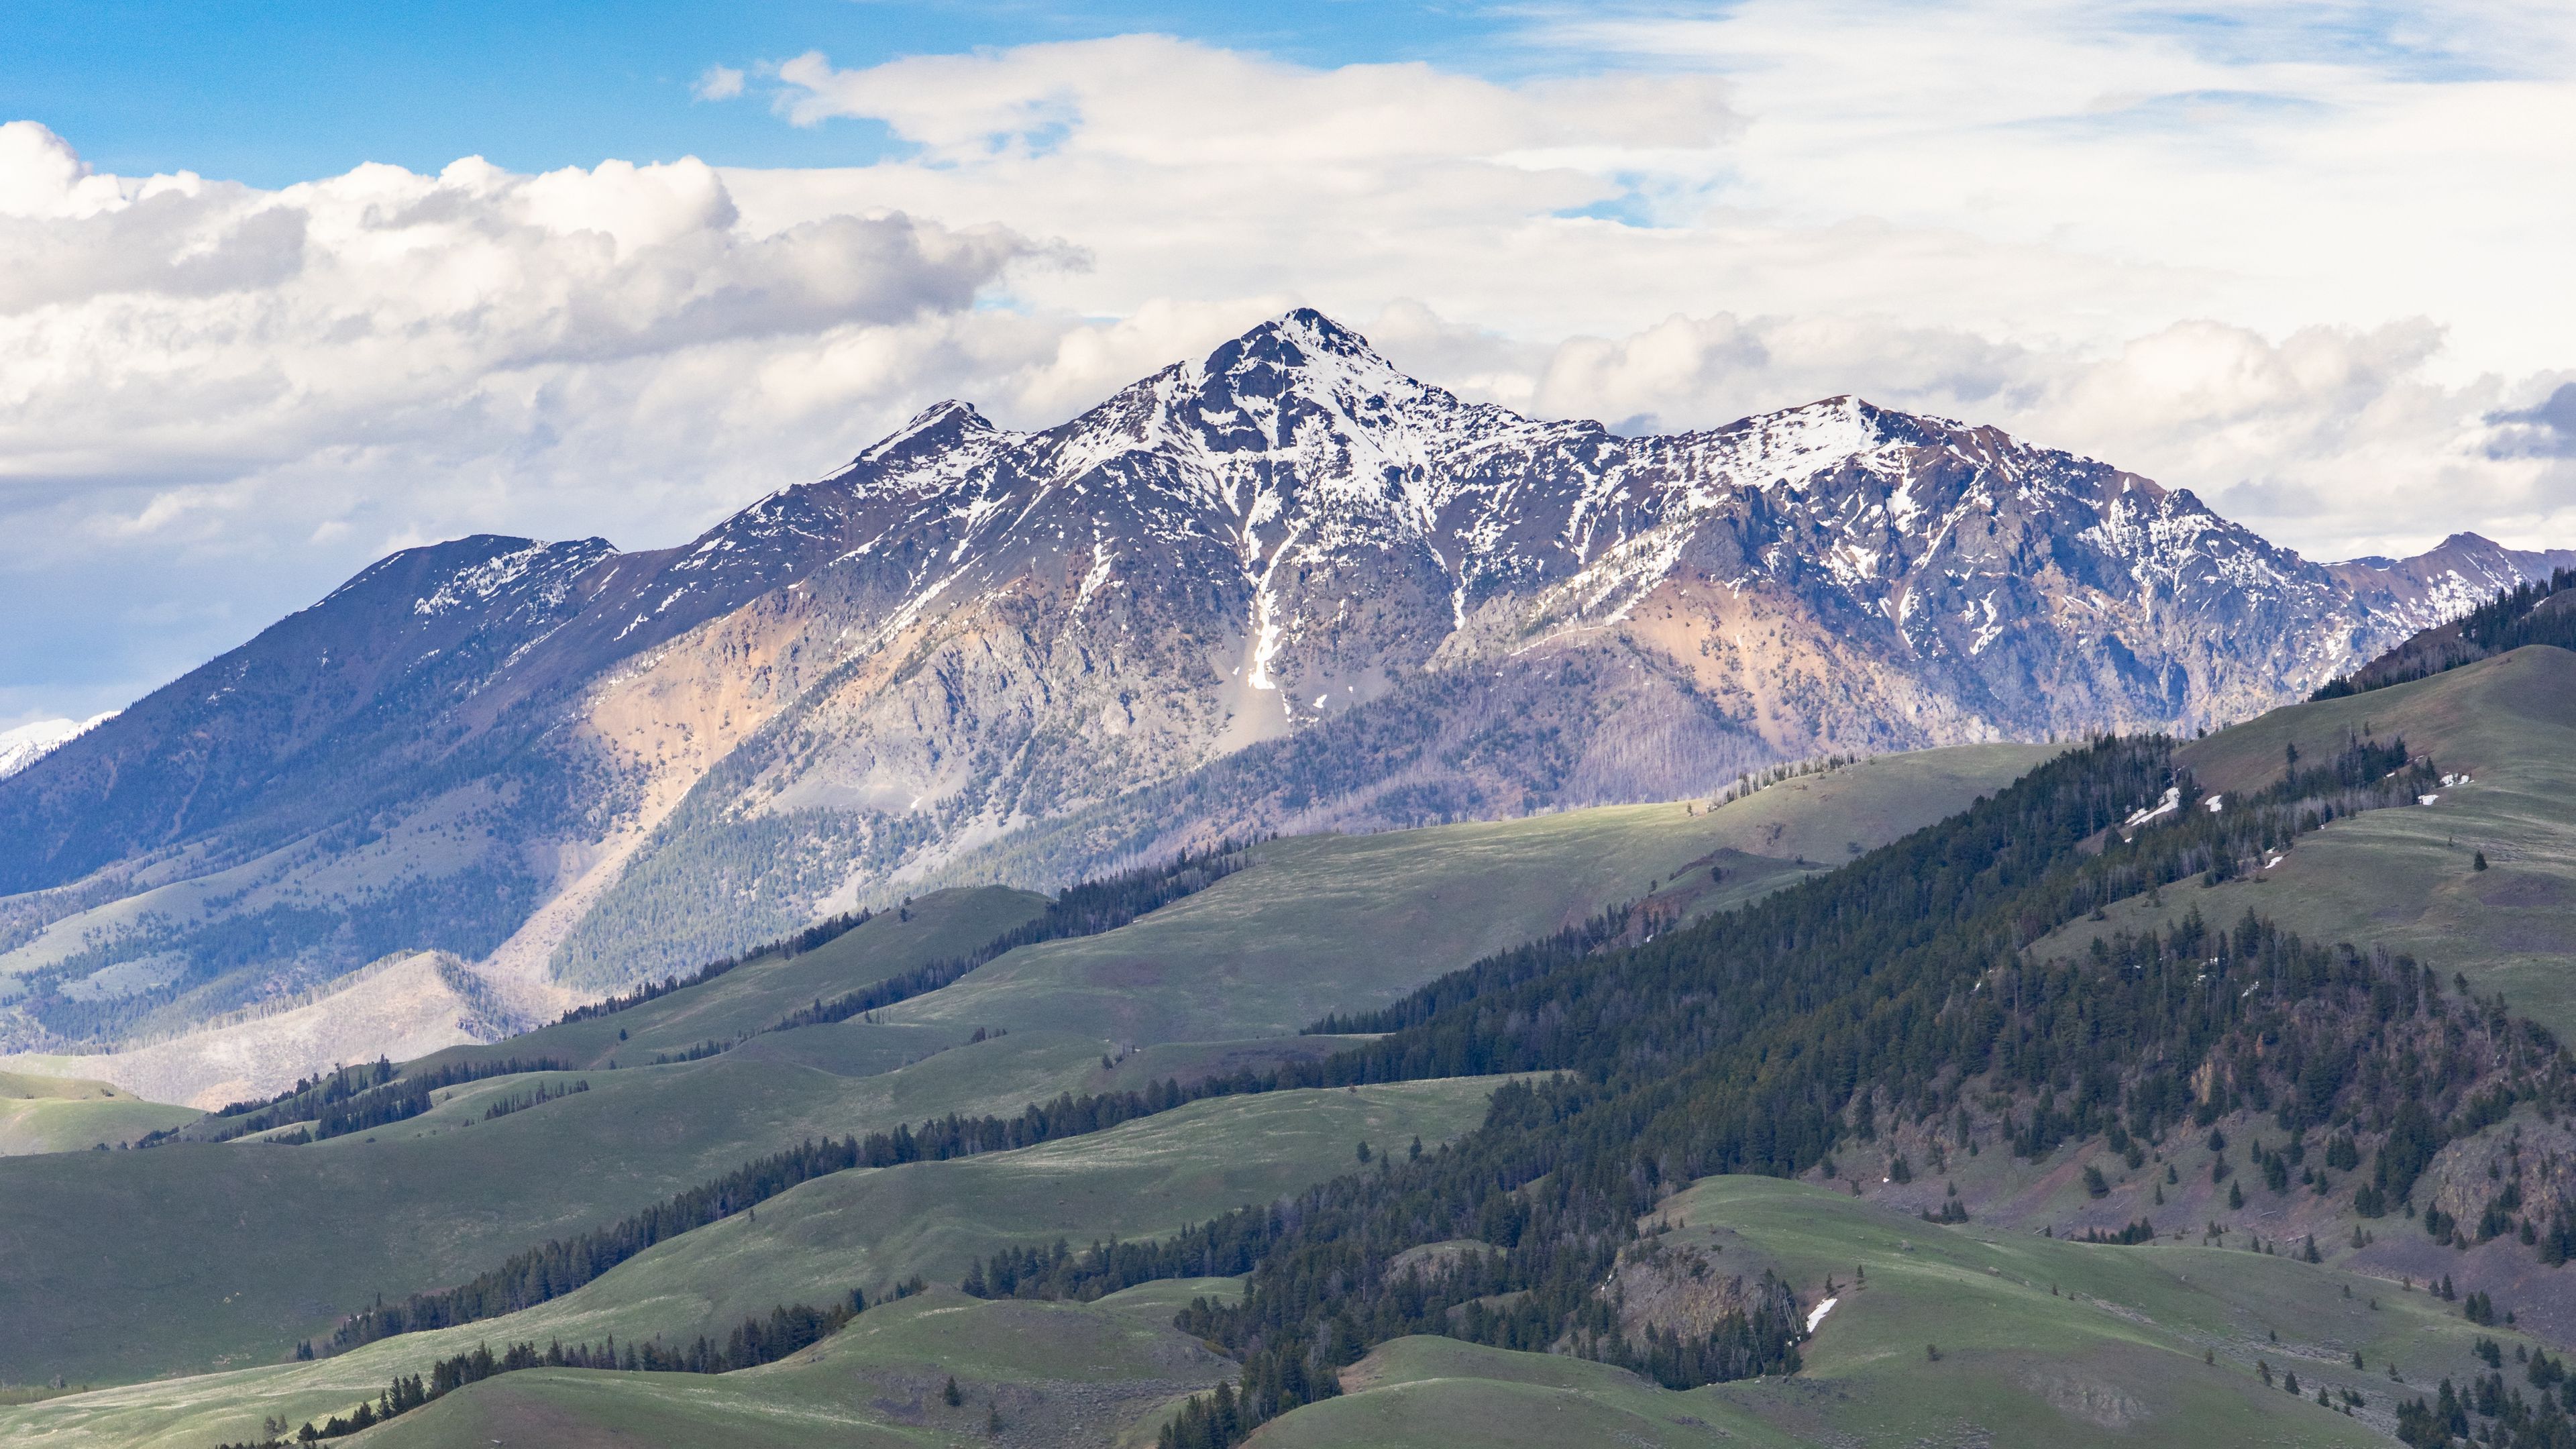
(1285, 586)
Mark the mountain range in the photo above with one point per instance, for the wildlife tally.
(1282, 588)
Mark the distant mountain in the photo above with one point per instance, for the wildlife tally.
(2540, 611)
(1283, 587)
(29, 743)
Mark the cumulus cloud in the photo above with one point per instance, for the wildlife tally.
(241, 394)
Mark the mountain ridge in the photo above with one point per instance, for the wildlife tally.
(1375, 602)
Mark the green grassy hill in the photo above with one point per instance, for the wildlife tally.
(189, 1256)
(2406, 878)
(1336, 923)
(66, 1114)
(2040, 1342)
(864, 1229)
(753, 996)
(1088, 1373)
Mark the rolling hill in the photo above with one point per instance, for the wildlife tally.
(1222, 979)
(1650, 1065)
(68, 1114)
(2408, 879)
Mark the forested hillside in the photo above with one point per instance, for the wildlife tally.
(1892, 993)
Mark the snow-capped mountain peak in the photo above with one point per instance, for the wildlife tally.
(1335, 595)
(28, 743)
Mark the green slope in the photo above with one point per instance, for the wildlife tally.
(2041, 1342)
(65, 1114)
(1057, 1372)
(1325, 923)
(186, 1256)
(2405, 878)
(1437, 1392)
(865, 1228)
(754, 995)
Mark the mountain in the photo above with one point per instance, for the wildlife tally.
(1285, 587)
(29, 743)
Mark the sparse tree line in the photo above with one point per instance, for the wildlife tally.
(2546, 1420)
(754, 1341)
(350, 1099)
(562, 1265)
(821, 933)
(1087, 909)
(542, 1094)
(1755, 780)
(2512, 619)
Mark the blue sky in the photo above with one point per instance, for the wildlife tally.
(274, 93)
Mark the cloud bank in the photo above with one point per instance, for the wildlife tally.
(2309, 273)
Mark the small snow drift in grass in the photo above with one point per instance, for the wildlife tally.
(1818, 1315)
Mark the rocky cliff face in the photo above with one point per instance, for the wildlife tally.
(1286, 587)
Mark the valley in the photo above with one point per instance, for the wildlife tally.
(1230, 973)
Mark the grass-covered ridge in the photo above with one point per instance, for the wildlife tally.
(67, 1114)
(2407, 880)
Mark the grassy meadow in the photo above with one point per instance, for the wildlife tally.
(2406, 878)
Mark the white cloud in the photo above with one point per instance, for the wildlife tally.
(212, 394)
(2281, 258)
(717, 83)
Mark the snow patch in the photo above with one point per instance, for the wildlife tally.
(2167, 806)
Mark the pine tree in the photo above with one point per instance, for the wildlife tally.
(2481, 862)
(952, 1396)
